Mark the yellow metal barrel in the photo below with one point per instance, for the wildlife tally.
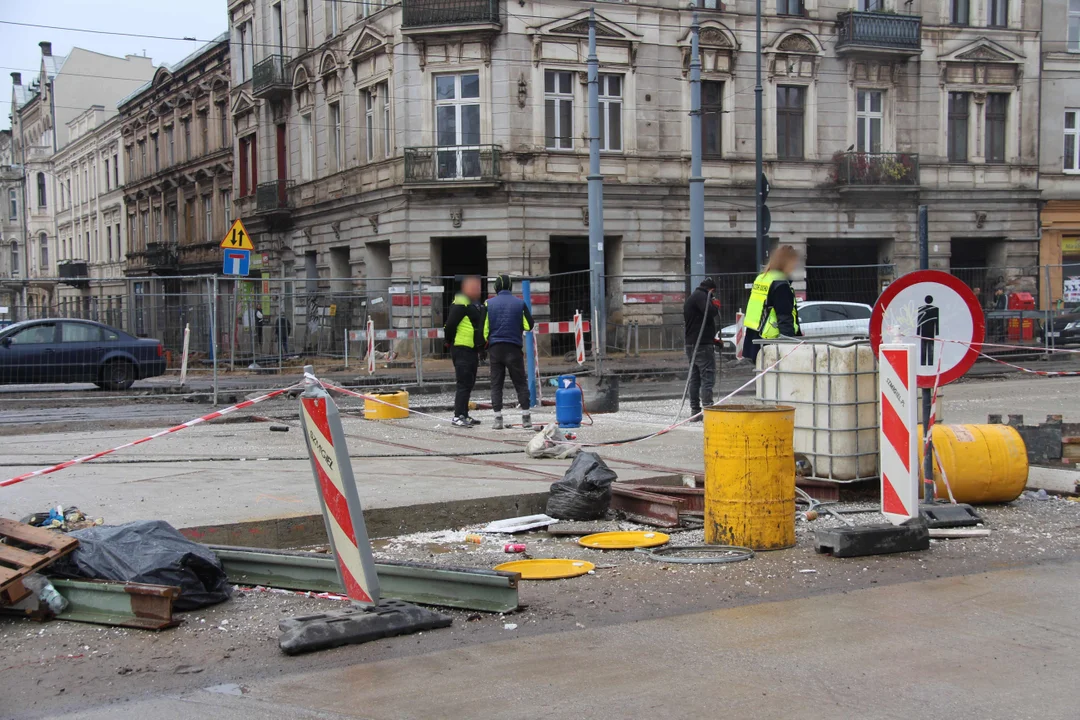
(750, 476)
(984, 463)
(397, 408)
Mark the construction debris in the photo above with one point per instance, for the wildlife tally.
(519, 524)
(356, 625)
(873, 539)
(23, 550)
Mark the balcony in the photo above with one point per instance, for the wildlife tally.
(446, 16)
(272, 200)
(452, 165)
(876, 171)
(270, 77)
(74, 273)
(878, 33)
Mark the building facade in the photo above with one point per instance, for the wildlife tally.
(177, 156)
(434, 138)
(1059, 161)
(42, 115)
(11, 229)
(90, 220)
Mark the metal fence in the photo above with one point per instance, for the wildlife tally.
(269, 324)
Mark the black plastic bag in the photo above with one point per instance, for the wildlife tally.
(584, 492)
(147, 551)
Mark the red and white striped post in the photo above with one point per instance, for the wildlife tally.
(740, 335)
(898, 437)
(336, 486)
(579, 339)
(371, 346)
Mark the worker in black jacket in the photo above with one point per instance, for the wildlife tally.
(464, 333)
(699, 322)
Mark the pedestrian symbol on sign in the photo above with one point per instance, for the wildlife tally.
(929, 327)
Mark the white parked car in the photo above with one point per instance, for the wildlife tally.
(818, 318)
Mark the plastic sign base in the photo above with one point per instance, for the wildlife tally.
(844, 542)
(356, 625)
(948, 515)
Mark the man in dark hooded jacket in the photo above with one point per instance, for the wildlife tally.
(699, 320)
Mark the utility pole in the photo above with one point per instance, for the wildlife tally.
(596, 201)
(927, 400)
(759, 195)
(697, 181)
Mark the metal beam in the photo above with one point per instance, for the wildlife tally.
(646, 507)
(467, 588)
(123, 604)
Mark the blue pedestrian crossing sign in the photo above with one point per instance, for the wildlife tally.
(237, 262)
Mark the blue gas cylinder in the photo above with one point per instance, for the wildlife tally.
(568, 402)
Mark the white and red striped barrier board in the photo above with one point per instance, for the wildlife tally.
(898, 383)
(579, 339)
(427, 334)
(740, 334)
(337, 494)
(370, 346)
(560, 328)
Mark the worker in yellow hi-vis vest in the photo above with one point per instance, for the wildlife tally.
(772, 310)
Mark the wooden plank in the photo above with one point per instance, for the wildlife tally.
(17, 556)
(7, 575)
(36, 536)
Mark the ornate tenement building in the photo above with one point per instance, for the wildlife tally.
(435, 137)
(178, 159)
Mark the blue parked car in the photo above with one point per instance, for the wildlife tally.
(72, 351)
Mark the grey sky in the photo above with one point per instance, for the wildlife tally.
(19, 51)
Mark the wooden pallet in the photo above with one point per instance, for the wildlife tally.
(25, 549)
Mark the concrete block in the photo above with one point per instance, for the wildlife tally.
(873, 539)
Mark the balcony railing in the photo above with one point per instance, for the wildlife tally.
(449, 164)
(878, 31)
(434, 13)
(73, 272)
(270, 78)
(861, 169)
(273, 196)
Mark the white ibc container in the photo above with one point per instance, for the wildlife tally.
(833, 388)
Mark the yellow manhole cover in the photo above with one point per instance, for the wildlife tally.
(624, 540)
(547, 569)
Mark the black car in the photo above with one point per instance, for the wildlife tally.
(1065, 329)
(70, 351)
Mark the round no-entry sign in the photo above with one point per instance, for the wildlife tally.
(939, 315)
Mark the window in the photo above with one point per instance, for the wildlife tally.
(871, 5)
(559, 110)
(69, 190)
(997, 106)
(790, 121)
(108, 243)
(331, 18)
(116, 170)
(868, 118)
(43, 252)
(247, 51)
(145, 228)
(158, 237)
(204, 132)
(997, 12)
(335, 158)
(187, 138)
(279, 28)
(157, 154)
(1072, 141)
(960, 12)
(957, 129)
(142, 158)
(611, 112)
(131, 164)
(189, 221)
(108, 177)
(116, 236)
(35, 335)
(1073, 37)
(13, 205)
(305, 25)
(388, 138)
(226, 207)
(248, 169)
(174, 224)
(307, 147)
(14, 258)
(170, 140)
(223, 118)
(71, 332)
(369, 122)
(41, 190)
(457, 125)
(208, 217)
(789, 7)
(712, 101)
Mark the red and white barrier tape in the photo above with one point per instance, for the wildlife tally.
(1042, 373)
(183, 426)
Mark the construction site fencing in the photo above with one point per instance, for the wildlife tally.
(273, 323)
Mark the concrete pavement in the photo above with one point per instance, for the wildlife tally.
(991, 645)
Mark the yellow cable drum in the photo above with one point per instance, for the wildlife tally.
(983, 463)
(750, 476)
(394, 406)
